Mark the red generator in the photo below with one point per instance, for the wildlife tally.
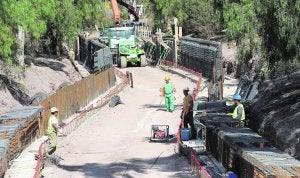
(159, 133)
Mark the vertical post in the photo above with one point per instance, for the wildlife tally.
(209, 90)
(179, 32)
(129, 76)
(176, 40)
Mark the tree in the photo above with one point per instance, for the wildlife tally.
(279, 29)
(196, 16)
(25, 13)
(200, 18)
(267, 28)
(58, 20)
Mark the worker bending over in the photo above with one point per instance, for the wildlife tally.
(239, 112)
(167, 91)
(52, 131)
(187, 113)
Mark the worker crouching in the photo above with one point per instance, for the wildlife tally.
(187, 113)
(239, 111)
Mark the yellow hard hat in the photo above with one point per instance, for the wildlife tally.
(167, 78)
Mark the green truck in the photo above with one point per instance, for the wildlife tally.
(123, 43)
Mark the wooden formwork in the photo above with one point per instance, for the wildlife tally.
(212, 140)
(268, 162)
(216, 120)
(71, 99)
(232, 141)
(25, 134)
(3, 157)
(20, 127)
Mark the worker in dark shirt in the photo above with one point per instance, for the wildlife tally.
(187, 113)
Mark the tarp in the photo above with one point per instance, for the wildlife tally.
(26, 112)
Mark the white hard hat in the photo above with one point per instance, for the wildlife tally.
(186, 89)
(53, 110)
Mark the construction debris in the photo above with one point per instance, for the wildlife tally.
(115, 100)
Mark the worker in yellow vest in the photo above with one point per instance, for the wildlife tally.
(167, 92)
(239, 111)
(52, 131)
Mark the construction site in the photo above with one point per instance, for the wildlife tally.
(133, 101)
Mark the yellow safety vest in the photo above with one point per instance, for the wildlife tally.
(235, 113)
(50, 128)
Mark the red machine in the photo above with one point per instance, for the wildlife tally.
(116, 11)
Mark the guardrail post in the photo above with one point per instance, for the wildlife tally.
(129, 75)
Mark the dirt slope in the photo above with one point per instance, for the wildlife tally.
(275, 113)
(44, 75)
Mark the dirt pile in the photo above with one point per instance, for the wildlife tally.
(44, 75)
(275, 113)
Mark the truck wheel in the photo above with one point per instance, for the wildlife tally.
(123, 62)
(143, 61)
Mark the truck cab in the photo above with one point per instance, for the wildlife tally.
(123, 44)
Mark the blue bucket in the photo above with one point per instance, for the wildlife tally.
(232, 175)
(185, 134)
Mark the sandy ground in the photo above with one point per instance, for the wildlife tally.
(229, 51)
(6, 100)
(114, 142)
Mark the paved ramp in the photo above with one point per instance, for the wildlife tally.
(114, 142)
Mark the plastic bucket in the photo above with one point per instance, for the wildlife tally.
(231, 175)
(185, 134)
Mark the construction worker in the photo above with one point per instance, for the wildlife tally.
(239, 112)
(52, 131)
(167, 91)
(187, 113)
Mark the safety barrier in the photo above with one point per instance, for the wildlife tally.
(192, 156)
(196, 166)
(202, 55)
(197, 88)
(78, 119)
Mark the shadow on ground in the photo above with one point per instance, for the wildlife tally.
(160, 107)
(136, 166)
(57, 66)
(171, 140)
